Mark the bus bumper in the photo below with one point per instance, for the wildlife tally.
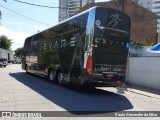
(107, 82)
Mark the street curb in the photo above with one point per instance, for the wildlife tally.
(142, 91)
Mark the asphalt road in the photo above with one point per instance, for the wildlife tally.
(25, 92)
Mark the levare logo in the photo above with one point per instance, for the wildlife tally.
(114, 20)
(109, 41)
(63, 43)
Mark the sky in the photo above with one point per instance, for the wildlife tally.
(18, 20)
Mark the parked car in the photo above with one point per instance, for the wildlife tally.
(17, 61)
(3, 62)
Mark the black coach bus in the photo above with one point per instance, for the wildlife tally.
(90, 48)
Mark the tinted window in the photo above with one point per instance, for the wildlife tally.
(31, 46)
(82, 20)
(27, 45)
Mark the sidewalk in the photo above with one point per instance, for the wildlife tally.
(135, 89)
(142, 90)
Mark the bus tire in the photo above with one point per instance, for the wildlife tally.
(60, 78)
(51, 76)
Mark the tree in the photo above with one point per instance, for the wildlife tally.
(5, 42)
(19, 52)
(0, 11)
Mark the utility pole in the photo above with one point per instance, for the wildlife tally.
(121, 5)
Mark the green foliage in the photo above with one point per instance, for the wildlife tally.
(149, 42)
(136, 44)
(48, 57)
(45, 57)
(5, 42)
(19, 52)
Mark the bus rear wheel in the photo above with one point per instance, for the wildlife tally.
(60, 78)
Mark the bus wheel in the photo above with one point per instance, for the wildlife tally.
(51, 76)
(27, 68)
(60, 78)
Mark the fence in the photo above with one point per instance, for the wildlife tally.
(144, 71)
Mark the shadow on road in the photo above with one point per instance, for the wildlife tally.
(88, 101)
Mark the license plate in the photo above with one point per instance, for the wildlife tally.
(108, 75)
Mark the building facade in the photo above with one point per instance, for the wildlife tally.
(152, 5)
(136, 1)
(144, 22)
(68, 8)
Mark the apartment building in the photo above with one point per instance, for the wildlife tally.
(146, 4)
(68, 8)
(152, 5)
(156, 10)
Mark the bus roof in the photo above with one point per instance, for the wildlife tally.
(64, 21)
(73, 18)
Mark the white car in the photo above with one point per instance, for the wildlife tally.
(17, 61)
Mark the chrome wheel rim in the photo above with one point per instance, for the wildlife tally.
(60, 78)
(51, 76)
